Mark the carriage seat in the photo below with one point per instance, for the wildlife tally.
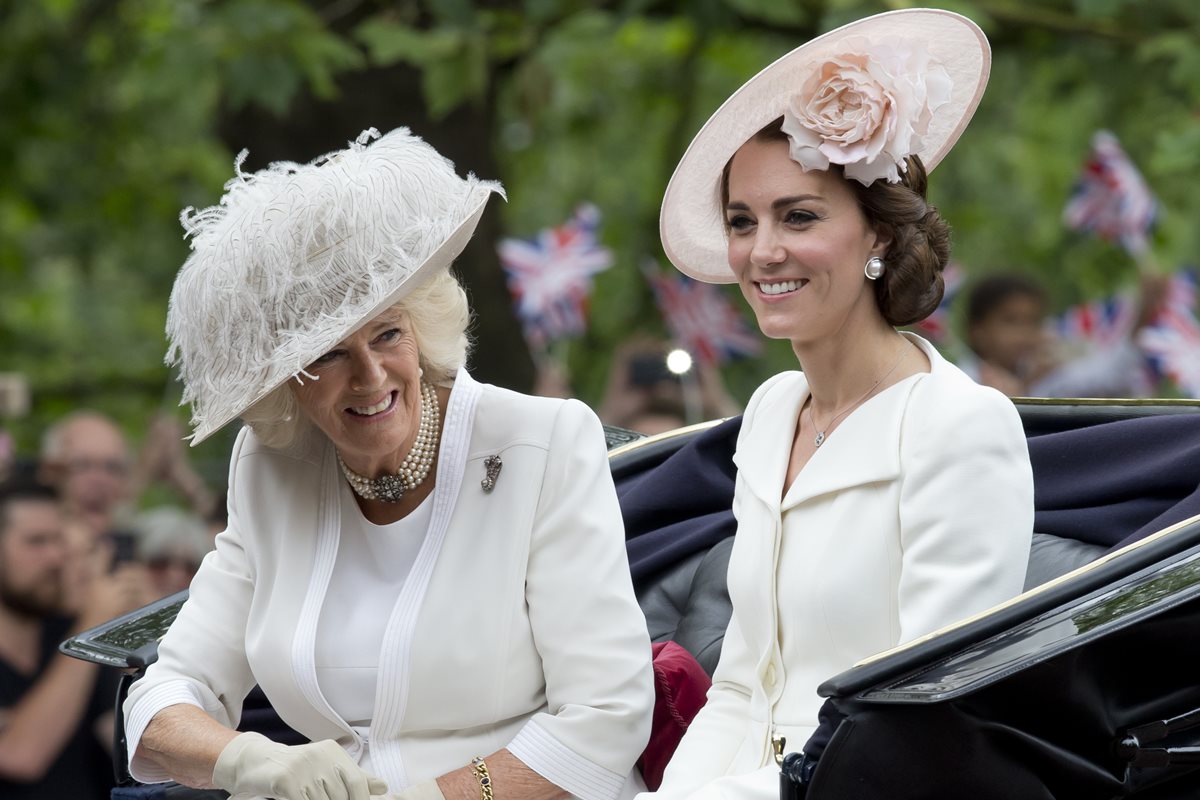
(689, 603)
(1102, 478)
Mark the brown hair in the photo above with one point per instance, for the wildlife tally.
(911, 286)
(992, 291)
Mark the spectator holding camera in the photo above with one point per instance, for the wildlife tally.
(85, 456)
(55, 711)
(645, 396)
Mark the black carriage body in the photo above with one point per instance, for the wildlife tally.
(1064, 694)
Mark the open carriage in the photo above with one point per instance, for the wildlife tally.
(1085, 686)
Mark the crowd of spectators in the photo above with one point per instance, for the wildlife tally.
(76, 551)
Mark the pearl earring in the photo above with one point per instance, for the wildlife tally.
(873, 268)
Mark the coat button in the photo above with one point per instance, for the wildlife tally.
(769, 676)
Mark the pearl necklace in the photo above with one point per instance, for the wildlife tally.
(415, 467)
(819, 439)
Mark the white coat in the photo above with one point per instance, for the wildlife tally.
(517, 626)
(916, 512)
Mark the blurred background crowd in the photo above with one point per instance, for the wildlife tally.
(1073, 213)
(118, 115)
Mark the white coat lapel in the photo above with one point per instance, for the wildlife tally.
(765, 447)
(864, 448)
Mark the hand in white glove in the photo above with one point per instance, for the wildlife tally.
(251, 765)
(429, 790)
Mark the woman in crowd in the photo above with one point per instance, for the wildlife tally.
(881, 494)
(426, 575)
(171, 542)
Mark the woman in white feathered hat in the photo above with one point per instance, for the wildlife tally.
(881, 494)
(426, 575)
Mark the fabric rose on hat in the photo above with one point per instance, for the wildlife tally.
(866, 109)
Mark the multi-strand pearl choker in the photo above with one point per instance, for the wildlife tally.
(416, 465)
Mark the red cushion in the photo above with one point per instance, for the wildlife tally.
(680, 690)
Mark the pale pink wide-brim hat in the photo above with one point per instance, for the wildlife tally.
(692, 222)
(296, 257)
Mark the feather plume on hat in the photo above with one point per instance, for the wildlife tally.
(296, 257)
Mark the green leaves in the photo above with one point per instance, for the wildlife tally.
(453, 61)
(272, 49)
(388, 41)
(456, 55)
(773, 12)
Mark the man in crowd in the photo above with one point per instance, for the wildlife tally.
(55, 711)
(87, 458)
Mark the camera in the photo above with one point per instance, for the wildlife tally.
(124, 548)
(649, 369)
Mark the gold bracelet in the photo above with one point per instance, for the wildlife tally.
(480, 771)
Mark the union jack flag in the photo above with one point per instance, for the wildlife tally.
(1099, 324)
(1110, 198)
(701, 318)
(550, 276)
(936, 327)
(1172, 342)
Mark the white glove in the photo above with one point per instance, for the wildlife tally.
(429, 790)
(252, 765)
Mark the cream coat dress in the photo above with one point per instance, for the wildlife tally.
(916, 512)
(516, 627)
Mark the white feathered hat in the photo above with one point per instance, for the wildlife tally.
(296, 257)
(865, 96)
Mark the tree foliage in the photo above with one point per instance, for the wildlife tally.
(116, 115)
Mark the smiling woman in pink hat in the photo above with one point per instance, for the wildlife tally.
(881, 494)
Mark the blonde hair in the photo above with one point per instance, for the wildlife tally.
(439, 314)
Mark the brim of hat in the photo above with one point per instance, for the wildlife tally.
(441, 258)
(692, 222)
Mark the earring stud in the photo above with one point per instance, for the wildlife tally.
(873, 269)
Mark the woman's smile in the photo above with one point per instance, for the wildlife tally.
(772, 291)
(377, 410)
